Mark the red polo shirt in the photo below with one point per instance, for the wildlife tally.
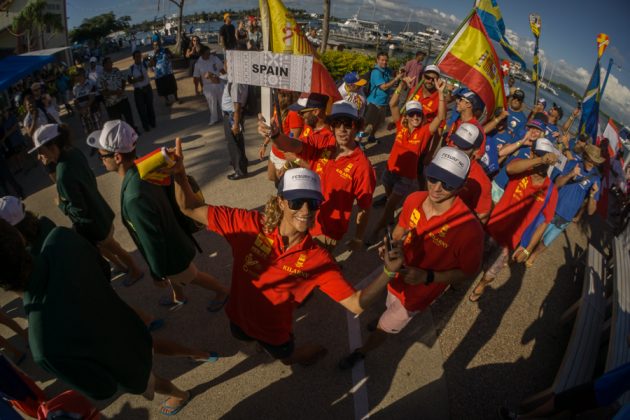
(450, 241)
(344, 180)
(429, 104)
(521, 203)
(406, 150)
(269, 281)
(482, 149)
(292, 120)
(477, 192)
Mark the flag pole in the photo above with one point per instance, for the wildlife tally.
(601, 93)
(535, 25)
(265, 92)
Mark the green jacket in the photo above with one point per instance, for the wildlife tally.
(80, 330)
(79, 198)
(150, 219)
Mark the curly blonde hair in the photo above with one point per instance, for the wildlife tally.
(272, 214)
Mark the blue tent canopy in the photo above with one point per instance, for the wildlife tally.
(16, 67)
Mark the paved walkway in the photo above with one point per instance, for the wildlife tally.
(456, 360)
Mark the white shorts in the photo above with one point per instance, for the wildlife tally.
(277, 162)
(186, 276)
(396, 316)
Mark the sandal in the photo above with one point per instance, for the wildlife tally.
(169, 410)
(214, 356)
(173, 305)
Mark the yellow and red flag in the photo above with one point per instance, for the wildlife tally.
(602, 43)
(287, 38)
(471, 59)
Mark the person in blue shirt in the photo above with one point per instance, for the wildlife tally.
(160, 62)
(516, 119)
(381, 81)
(553, 118)
(580, 180)
(495, 140)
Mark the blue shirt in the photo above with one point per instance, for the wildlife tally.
(551, 129)
(490, 160)
(516, 123)
(378, 76)
(502, 177)
(162, 64)
(572, 194)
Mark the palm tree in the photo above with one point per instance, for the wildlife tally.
(325, 25)
(34, 19)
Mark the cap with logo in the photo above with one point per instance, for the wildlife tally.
(413, 106)
(300, 183)
(432, 68)
(558, 109)
(309, 100)
(353, 78)
(11, 210)
(468, 136)
(536, 124)
(450, 166)
(43, 135)
(544, 146)
(115, 136)
(343, 109)
(518, 94)
(542, 101)
(471, 97)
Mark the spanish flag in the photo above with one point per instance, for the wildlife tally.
(471, 59)
(287, 38)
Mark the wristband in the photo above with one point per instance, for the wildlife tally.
(430, 277)
(298, 161)
(526, 252)
(390, 274)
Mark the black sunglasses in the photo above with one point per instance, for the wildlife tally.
(444, 186)
(108, 155)
(414, 114)
(297, 204)
(346, 122)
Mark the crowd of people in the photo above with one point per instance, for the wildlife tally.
(462, 197)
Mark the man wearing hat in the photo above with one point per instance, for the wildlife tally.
(441, 245)
(580, 180)
(345, 171)
(516, 118)
(350, 91)
(311, 107)
(477, 192)
(520, 217)
(148, 215)
(554, 116)
(428, 94)
(469, 106)
(227, 33)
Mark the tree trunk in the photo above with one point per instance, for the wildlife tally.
(180, 27)
(325, 25)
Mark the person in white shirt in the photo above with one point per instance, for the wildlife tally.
(94, 70)
(350, 91)
(84, 92)
(142, 91)
(207, 70)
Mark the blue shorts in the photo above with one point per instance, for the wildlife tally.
(397, 184)
(552, 232)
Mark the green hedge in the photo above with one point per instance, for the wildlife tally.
(339, 63)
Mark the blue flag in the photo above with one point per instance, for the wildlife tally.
(490, 15)
(590, 106)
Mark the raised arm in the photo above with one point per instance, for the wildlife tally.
(282, 141)
(441, 115)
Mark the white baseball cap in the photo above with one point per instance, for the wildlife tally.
(43, 135)
(433, 68)
(300, 183)
(343, 109)
(450, 166)
(468, 136)
(544, 146)
(413, 105)
(116, 136)
(12, 210)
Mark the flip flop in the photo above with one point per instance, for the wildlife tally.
(130, 281)
(474, 296)
(214, 356)
(169, 410)
(156, 324)
(217, 305)
(173, 305)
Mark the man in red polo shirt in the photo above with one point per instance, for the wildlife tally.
(529, 193)
(469, 105)
(477, 192)
(428, 94)
(442, 244)
(346, 173)
(277, 264)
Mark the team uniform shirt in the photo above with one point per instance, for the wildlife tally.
(450, 241)
(290, 122)
(429, 103)
(79, 198)
(379, 76)
(213, 65)
(482, 148)
(550, 131)
(406, 150)
(520, 205)
(572, 194)
(344, 180)
(516, 123)
(477, 191)
(490, 159)
(137, 71)
(502, 178)
(112, 81)
(268, 281)
(80, 330)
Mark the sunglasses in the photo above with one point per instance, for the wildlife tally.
(298, 203)
(346, 122)
(108, 155)
(444, 186)
(413, 114)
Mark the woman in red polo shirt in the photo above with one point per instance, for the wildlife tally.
(277, 264)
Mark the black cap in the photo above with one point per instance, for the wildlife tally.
(518, 94)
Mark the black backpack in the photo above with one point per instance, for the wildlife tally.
(366, 87)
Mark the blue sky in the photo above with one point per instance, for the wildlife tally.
(569, 29)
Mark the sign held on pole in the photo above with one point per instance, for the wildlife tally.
(267, 69)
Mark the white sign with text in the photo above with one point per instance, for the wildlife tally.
(264, 68)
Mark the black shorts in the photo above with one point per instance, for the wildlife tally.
(281, 351)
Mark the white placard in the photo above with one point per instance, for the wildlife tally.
(264, 68)
(560, 163)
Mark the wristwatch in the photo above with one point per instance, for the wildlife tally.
(430, 277)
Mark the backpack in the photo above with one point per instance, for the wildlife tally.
(367, 87)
